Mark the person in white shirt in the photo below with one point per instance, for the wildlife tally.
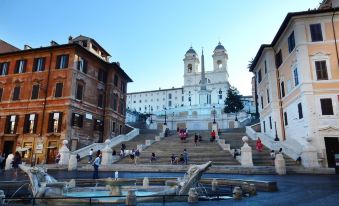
(96, 165)
(90, 156)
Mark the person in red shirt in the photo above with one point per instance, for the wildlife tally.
(212, 135)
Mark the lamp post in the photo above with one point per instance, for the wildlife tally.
(214, 114)
(172, 120)
(276, 133)
(220, 95)
(151, 114)
(165, 123)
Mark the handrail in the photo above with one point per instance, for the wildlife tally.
(83, 152)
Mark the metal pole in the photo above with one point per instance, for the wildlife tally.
(165, 117)
(213, 114)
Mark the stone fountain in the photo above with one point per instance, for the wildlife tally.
(44, 185)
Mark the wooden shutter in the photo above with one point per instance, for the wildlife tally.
(84, 69)
(1, 91)
(16, 93)
(16, 123)
(43, 63)
(58, 60)
(80, 120)
(50, 122)
(66, 61)
(26, 124)
(60, 122)
(35, 123)
(17, 64)
(24, 66)
(7, 68)
(7, 125)
(35, 64)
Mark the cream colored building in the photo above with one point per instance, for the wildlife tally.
(297, 78)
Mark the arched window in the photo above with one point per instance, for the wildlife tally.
(219, 63)
(189, 68)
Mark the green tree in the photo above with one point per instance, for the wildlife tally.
(233, 102)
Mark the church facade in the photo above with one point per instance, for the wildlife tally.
(200, 86)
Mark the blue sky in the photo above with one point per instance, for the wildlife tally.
(149, 38)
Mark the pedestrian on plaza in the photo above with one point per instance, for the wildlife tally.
(280, 151)
(96, 165)
(15, 163)
(98, 153)
(57, 158)
(172, 159)
(2, 159)
(200, 137)
(185, 156)
(90, 156)
(196, 137)
(272, 155)
(116, 175)
(182, 159)
(132, 155)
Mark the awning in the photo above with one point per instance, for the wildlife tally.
(23, 149)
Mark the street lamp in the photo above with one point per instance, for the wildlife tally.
(172, 119)
(276, 133)
(151, 114)
(213, 114)
(165, 123)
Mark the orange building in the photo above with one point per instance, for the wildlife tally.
(49, 94)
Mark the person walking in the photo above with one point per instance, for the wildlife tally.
(90, 156)
(16, 162)
(259, 146)
(212, 136)
(137, 155)
(96, 165)
(196, 137)
(272, 155)
(185, 156)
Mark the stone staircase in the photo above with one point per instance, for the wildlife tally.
(234, 138)
(205, 151)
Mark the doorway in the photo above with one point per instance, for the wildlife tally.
(52, 151)
(332, 147)
(8, 148)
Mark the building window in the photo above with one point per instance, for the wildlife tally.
(11, 124)
(116, 79)
(282, 87)
(121, 106)
(169, 103)
(291, 42)
(55, 122)
(102, 75)
(20, 66)
(30, 124)
(296, 77)
(270, 122)
(262, 102)
(300, 111)
(170, 96)
(100, 100)
(321, 70)
(62, 61)
(115, 102)
(1, 92)
(35, 91)
(82, 65)
(16, 93)
(316, 33)
(39, 64)
(268, 96)
(326, 106)
(4, 68)
(259, 76)
(265, 67)
(285, 118)
(79, 91)
(77, 120)
(278, 59)
(264, 126)
(58, 89)
(189, 68)
(123, 87)
(98, 125)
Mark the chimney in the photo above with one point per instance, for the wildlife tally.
(70, 39)
(53, 43)
(26, 47)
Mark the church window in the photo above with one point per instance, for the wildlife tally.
(189, 68)
(219, 63)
